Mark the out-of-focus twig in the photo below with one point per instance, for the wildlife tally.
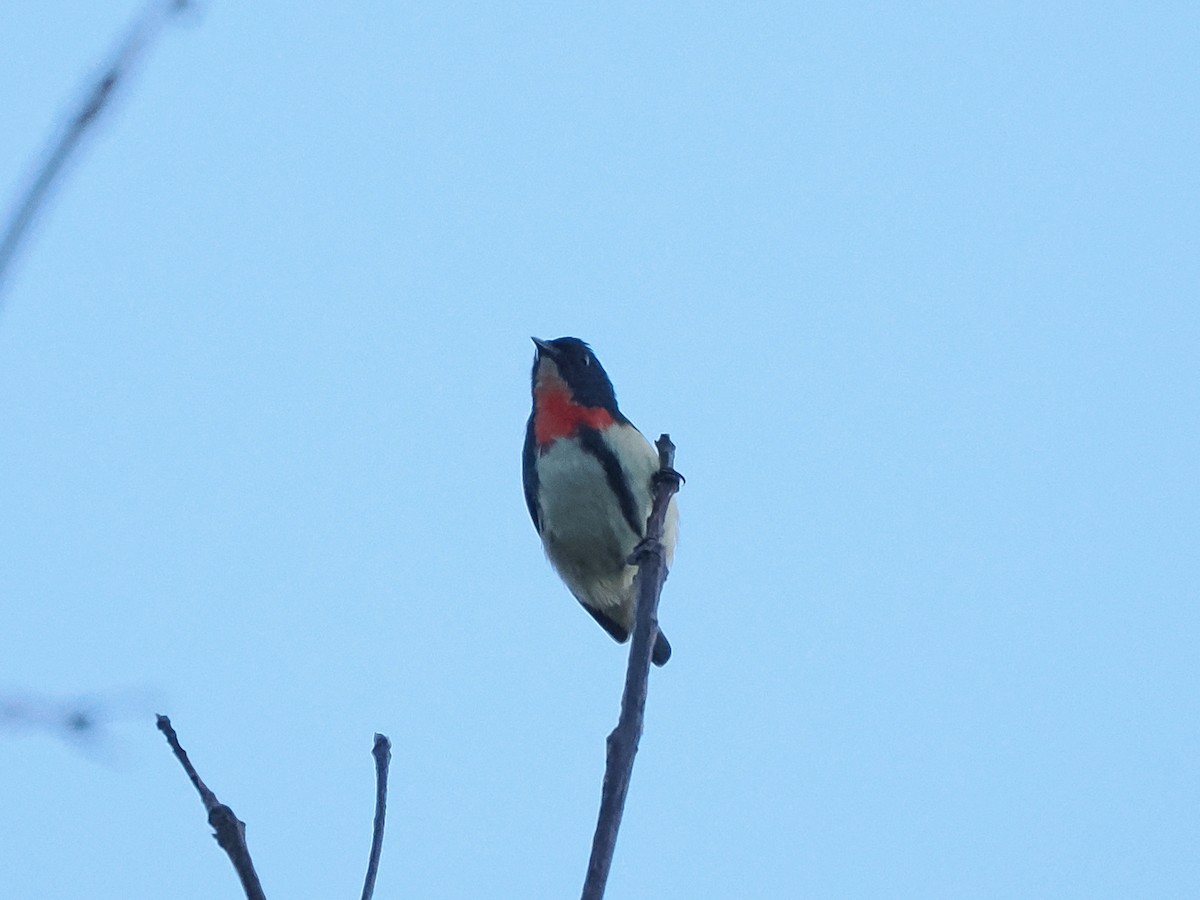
(623, 742)
(87, 722)
(382, 751)
(131, 48)
(230, 830)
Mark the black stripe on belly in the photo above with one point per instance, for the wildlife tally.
(590, 440)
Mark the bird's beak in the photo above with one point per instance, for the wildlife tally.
(544, 347)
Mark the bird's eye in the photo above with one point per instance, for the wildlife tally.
(587, 360)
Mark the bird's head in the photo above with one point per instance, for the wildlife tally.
(568, 366)
(570, 390)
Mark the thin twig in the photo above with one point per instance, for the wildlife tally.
(622, 743)
(230, 830)
(144, 29)
(382, 751)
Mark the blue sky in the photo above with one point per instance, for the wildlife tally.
(914, 289)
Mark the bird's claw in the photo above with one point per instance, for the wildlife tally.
(644, 548)
(667, 475)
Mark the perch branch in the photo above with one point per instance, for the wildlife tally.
(622, 743)
(230, 830)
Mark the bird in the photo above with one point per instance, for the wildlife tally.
(587, 473)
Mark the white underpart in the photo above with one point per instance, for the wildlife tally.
(585, 534)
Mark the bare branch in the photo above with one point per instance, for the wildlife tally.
(622, 743)
(143, 31)
(382, 751)
(230, 830)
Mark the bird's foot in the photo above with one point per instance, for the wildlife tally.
(645, 547)
(667, 475)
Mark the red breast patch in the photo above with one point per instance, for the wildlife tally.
(558, 416)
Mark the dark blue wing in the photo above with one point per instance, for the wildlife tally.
(529, 474)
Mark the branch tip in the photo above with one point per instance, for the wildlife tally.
(382, 751)
(229, 830)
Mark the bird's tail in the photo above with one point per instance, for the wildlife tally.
(662, 650)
